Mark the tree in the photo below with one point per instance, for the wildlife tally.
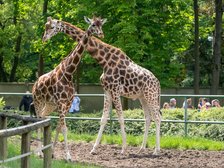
(41, 59)
(216, 62)
(158, 35)
(196, 49)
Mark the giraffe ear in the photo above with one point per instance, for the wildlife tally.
(49, 19)
(104, 20)
(88, 20)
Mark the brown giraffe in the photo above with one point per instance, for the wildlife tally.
(54, 90)
(121, 77)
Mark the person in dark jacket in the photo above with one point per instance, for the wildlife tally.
(26, 101)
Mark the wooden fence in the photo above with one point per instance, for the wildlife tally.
(29, 124)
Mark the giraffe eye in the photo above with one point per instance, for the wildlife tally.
(93, 25)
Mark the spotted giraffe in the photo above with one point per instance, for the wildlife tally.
(54, 90)
(121, 77)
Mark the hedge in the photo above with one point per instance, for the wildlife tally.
(212, 131)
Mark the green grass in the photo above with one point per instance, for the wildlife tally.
(167, 142)
(36, 162)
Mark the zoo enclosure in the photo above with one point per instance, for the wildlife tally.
(24, 131)
(185, 121)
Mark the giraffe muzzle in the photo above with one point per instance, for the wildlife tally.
(101, 35)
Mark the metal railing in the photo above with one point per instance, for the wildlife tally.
(185, 121)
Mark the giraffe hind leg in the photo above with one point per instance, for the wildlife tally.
(157, 119)
(147, 123)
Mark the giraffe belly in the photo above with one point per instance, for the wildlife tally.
(130, 94)
(48, 108)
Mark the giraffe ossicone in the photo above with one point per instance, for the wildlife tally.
(55, 90)
(121, 77)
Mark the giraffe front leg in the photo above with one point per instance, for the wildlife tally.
(64, 132)
(123, 134)
(39, 153)
(55, 140)
(63, 109)
(106, 110)
(117, 103)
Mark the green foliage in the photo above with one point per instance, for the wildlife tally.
(213, 131)
(155, 34)
(2, 102)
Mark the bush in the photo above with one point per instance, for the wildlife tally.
(213, 131)
(2, 103)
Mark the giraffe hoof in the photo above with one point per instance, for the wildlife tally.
(156, 152)
(93, 152)
(141, 150)
(68, 157)
(40, 154)
(123, 151)
(68, 160)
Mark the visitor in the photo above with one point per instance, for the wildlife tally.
(215, 103)
(75, 105)
(26, 101)
(166, 105)
(200, 104)
(173, 103)
(189, 104)
(205, 104)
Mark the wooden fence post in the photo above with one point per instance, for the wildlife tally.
(3, 140)
(25, 147)
(48, 151)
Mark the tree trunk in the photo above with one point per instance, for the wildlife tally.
(3, 75)
(18, 43)
(217, 47)
(16, 58)
(41, 65)
(45, 7)
(196, 49)
(41, 59)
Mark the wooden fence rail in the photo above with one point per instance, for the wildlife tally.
(29, 124)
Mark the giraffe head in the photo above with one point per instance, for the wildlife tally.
(52, 27)
(95, 25)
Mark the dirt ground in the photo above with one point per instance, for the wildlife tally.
(109, 156)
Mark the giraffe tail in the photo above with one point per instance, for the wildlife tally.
(159, 99)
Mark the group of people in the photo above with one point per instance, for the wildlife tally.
(26, 103)
(203, 103)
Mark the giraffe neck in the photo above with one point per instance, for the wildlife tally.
(70, 63)
(99, 50)
(74, 32)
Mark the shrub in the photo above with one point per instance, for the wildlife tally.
(2, 103)
(137, 128)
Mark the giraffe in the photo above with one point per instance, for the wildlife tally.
(54, 90)
(121, 77)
